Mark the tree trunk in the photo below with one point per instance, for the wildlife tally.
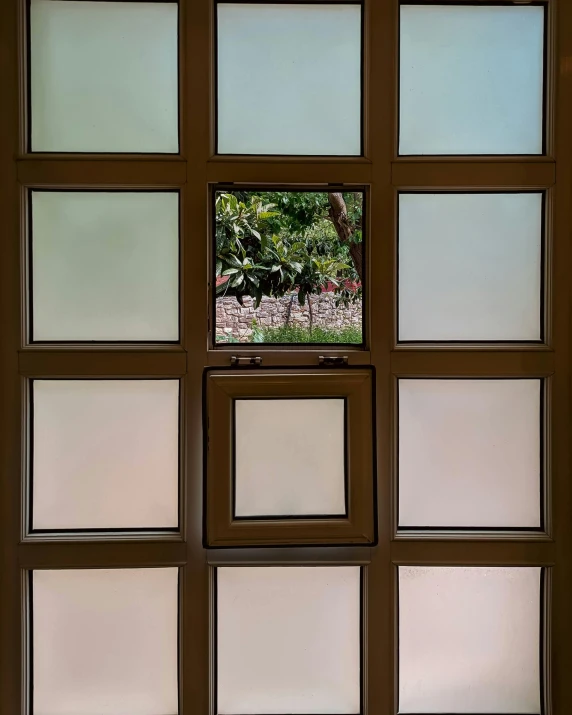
(339, 216)
(289, 310)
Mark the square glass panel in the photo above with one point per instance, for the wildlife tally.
(469, 640)
(470, 267)
(469, 453)
(288, 640)
(105, 454)
(290, 457)
(105, 642)
(471, 79)
(103, 76)
(105, 265)
(289, 78)
(290, 266)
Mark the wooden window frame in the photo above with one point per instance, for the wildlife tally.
(355, 387)
(193, 171)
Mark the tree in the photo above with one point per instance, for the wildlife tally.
(273, 243)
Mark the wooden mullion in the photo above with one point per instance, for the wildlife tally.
(62, 363)
(465, 174)
(381, 140)
(102, 172)
(136, 553)
(259, 171)
(11, 652)
(473, 363)
(195, 684)
(561, 645)
(287, 357)
(306, 555)
(428, 552)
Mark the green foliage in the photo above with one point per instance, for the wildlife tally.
(273, 243)
(299, 334)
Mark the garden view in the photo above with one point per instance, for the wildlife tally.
(289, 266)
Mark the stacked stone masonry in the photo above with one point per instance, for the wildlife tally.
(235, 321)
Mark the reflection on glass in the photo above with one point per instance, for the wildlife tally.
(471, 79)
(289, 267)
(289, 78)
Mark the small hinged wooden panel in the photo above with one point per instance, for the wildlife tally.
(289, 457)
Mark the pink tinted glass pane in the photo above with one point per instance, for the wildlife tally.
(469, 453)
(105, 642)
(469, 640)
(105, 454)
(288, 640)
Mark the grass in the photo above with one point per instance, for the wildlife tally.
(299, 334)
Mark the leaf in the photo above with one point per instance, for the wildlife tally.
(218, 268)
(230, 271)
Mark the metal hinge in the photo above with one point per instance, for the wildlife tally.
(238, 361)
(333, 360)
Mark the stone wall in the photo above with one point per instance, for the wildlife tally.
(234, 320)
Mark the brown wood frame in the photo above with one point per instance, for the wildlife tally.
(222, 388)
(192, 171)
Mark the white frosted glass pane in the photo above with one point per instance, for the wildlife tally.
(471, 79)
(469, 640)
(290, 457)
(289, 79)
(105, 454)
(105, 265)
(288, 640)
(469, 453)
(470, 266)
(105, 642)
(104, 76)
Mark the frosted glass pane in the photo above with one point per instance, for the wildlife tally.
(469, 640)
(105, 642)
(469, 453)
(471, 79)
(289, 79)
(470, 266)
(288, 640)
(104, 76)
(290, 457)
(105, 454)
(105, 265)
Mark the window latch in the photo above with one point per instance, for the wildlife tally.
(333, 360)
(245, 360)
